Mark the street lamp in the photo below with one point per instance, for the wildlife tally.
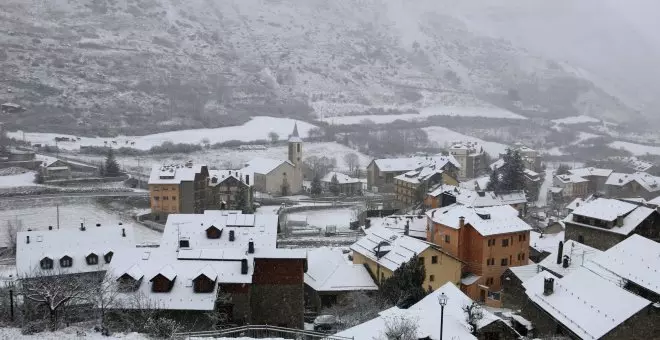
(442, 300)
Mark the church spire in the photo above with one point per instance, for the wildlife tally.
(295, 130)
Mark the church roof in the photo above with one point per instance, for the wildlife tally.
(295, 137)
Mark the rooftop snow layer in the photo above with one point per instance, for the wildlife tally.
(341, 178)
(486, 221)
(412, 163)
(578, 253)
(586, 172)
(397, 223)
(401, 248)
(329, 271)
(477, 199)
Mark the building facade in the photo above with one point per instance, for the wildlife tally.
(346, 185)
(381, 172)
(178, 189)
(412, 186)
(229, 190)
(471, 157)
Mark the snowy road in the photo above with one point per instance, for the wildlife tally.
(543, 192)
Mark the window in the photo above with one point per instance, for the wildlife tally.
(431, 278)
(580, 238)
(46, 263)
(491, 242)
(161, 284)
(434, 259)
(504, 262)
(108, 257)
(203, 284)
(166, 198)
(184, 244)
(92, 259)
(156, 198)
(490, 261)
(66, 261)
(489, 281)
(518, 256)
(505, 242)
(128, 284)
(522, 256)
(298, 147)
(173, 198)
(446, 238)
(421, 260)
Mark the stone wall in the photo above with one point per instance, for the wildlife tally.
(544, 324)
(278, 305)
(644, 325)
(497, 330)
(513, 293)
(599, 239)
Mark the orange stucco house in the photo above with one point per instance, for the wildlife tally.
(488, 240)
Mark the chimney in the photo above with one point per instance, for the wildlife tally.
(98, 225)
(548, 286)
(28, 239)
(50, 227)
(560, 252)
(461, 222)
(619, 221)
(231, 236)
(432, 213)
(251, 247)
(244, 266)
(82, 226)
(247, 179)
(123, 232)
(566, 261)
(121, 223)
(406, 231)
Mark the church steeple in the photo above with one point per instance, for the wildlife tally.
(295, 146)
(294, 135)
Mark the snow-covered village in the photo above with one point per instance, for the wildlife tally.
(329, 170)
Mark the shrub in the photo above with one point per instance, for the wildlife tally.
(161, 327)
(34, 327)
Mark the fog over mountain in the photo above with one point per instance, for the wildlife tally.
(137, 66)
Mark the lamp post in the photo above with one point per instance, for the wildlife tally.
(442, 300)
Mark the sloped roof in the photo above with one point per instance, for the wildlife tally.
(419, 175)
(648, 182)
(578, 253)
(584, 302)
(401, 248)
(174, 173)
(329, 270)
(635, 259)
(524, 273)
(608, 210)
(71, 242)
(591, 171)
(486, 221)
(412, 163)
(263, 165)
(295, 137)
(477, 199)
(222, 175)
(570, 178)
(397, 223)
(341, 178)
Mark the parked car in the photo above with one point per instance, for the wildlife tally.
(325, 323)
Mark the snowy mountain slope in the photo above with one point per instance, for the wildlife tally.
(140, 66)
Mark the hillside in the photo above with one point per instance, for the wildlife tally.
(140, 66)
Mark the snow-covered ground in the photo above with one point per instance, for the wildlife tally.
(233, 158)
(636, 149)
(44, 214)
(576, 120)
(487, 112)
(585, 136)
(542, 201)
(70, 333)
(257, 128)
(22, 180)
(326, 217)
(444, 137)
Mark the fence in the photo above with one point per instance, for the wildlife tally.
(262, 331)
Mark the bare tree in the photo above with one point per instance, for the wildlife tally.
(105, 296)
(473, 313)
(356, 308)
(10, 233)
(320, 165)
(352, 161)
(56, 291)
(400, 328)
(132, 312)
(273, 136)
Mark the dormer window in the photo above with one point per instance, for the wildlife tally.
(66, 261)
(213, 232)
(205, 281)
(164, 280)
(46, 263)
(92, 259)
(108, 257)
(130, 281)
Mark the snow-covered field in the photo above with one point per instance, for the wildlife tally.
(232, 158)
(487, 112)
(444, 137)
(70, 333)
(256, 128)
(326, 217)
(576, 120)
(44, 214)
(636, 149)
(22, 180)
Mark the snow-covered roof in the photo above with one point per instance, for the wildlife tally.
(649, 182)
(609, 210)
(584, 302)
(419, 175)
(479, 183)
(487, 221)
(218, 176)
(497, 164)
(262, 165)
(569, 178)
(329, 270)
(591, 171)
(425, 315)
(655, 201)
(397, 223)
(578, 253)
(399, 248)
(477, 199)
(341, 178)
(524, 273)
(174, 173)
(634, 259)
(577, 202)
(545, 242)
(75, 243)
(412, 163)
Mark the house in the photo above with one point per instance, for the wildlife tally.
(568, 257)
(445, 195)
(178, 189)
(409, 225)
(533, 181)
(513, 292)
(55, 169)
(530, 157)
(603, 222)
(577, 202)
(632, 263)
(571, 185)
(411, 187)
(279, 177)
(638, 184)
(584, 305)
(425, 315)
(219, 261)
(80, 251)
(347, 185)
(596, 177)
(229, 190)
(471, 158)
(381, 172)
(330, 276)
(489, 240)
(383, 251)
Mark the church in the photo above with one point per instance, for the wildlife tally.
(279, 177)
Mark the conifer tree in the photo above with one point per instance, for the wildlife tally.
(404, 288)
(111, 165)
(334, 185)
(316, 188)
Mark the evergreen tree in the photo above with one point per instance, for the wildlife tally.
(494, 181)
(404, 288)
(243, 201)
(111, 165)
(563, 169)
(316, 188)
(334, 185)
(513, 172)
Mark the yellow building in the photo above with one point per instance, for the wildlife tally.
(178, 189)
(383, 251)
